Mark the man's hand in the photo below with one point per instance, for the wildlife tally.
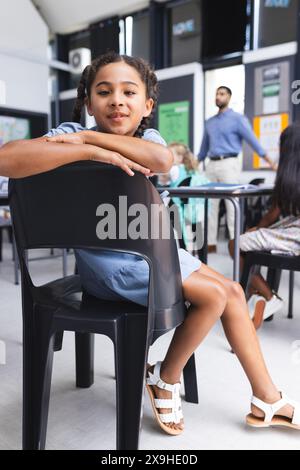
(273, 165)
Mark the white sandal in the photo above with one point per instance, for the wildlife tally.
(174, 403)
(270, 418)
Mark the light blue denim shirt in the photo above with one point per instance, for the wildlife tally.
(152, 135)
(224, 134)
(112, 276)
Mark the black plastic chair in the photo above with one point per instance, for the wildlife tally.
(58, 209)
(183, 202)
(275, 263)
(255, 207)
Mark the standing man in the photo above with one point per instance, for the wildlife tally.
(222, 142)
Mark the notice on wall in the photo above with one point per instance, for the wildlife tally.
(272, 89)
(268, 129)
(13, 128)
(173, 121)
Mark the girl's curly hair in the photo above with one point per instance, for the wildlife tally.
(87, 78)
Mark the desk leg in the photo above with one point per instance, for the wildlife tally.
(204, 249)
(237, 228)
(242, 209)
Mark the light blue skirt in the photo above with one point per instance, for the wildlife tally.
(122, 276)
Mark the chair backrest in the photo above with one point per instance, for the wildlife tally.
(60, 208)
(257, 181)
(185, 182)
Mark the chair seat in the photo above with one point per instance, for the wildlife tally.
(70, 302)
(266, 258)
(275, 263)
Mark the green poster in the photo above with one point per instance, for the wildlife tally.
(173, 121)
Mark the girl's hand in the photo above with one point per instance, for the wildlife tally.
(114, 158)
(72, 138)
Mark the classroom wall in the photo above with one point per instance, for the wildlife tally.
(23, 57)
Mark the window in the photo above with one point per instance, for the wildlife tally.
(137, 35)
(276, 22)
(185, 32)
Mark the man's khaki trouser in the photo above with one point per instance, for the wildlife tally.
(222, 171)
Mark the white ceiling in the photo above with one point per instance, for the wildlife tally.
(65, 16)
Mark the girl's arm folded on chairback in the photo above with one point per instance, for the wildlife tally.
(154, 156)
(23, 158)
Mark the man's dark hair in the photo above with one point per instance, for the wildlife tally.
(225, 88)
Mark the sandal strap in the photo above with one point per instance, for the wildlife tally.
(154, 379)
(164, 403)
(296, 406)
(296, 415)
(174, 403)
(271, 409)
(174, 417)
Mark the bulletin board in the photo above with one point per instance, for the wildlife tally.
(267, 129)
(180, 110)
(268, 103)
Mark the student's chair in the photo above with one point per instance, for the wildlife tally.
(61, 208)
(181, 203)
(275, 263)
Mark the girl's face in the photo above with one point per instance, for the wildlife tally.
(118, 99)
(178, 158)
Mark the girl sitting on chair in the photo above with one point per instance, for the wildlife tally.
(121, 93)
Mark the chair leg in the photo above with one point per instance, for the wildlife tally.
(131, 351)
(84, 346)
(246, 273)
(37, 371)
(291, 294)
(58, 341)
(273, 278)
(190, 381)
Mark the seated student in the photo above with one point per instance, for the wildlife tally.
(271, 234)
(121, 92)
(185, 166)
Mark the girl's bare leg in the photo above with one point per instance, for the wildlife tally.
(208, 299)
(200, 289)
(257, 283)
(260, 285)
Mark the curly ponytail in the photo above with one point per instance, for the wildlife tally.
(81, 95)
(144, 70)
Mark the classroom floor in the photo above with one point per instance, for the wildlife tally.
(85, 418)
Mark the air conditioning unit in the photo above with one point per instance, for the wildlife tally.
(79, 59)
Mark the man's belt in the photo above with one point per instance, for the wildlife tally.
(222, 157)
